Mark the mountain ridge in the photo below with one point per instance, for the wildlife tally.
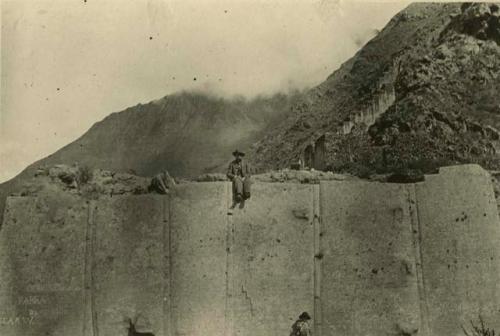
(371, 111)
(186, 133)
(421, 94)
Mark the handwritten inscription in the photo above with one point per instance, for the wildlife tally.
(45, 287)
(18, 320)
(25, 319)
(32, 300)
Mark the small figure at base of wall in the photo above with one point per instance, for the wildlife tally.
(301, 327)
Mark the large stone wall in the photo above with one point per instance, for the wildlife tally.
(368, 281)
(42, 253)
(198, 243)
(127, 274)
(362, 258)
(272, 259)
(460, 247)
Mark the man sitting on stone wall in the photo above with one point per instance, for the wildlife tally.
(239, 173)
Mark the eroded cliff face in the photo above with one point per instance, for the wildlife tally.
(428, 81)
(361, 257)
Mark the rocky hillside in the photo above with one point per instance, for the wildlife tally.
(422, 94)
(186, 134)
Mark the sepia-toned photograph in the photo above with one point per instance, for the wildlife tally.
(249, 168)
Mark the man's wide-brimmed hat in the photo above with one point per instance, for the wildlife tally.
(304, 316)
(237, 152)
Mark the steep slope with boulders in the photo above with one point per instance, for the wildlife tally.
(422, 94)
(187, 134)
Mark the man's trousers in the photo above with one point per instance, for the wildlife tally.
(241, 187)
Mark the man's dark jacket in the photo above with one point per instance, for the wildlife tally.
(236, 168)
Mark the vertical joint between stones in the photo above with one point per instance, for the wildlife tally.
(417, 239)
(317, 261)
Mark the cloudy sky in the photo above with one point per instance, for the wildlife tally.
(66, 64)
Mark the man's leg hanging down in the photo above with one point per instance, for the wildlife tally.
(237, 189)
(246, 188)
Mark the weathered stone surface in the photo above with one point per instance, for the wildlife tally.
(460, 246)
(129, 269)
(361, 258)
(272, 261)
(199, 259)
(42, 253)
(368, 275)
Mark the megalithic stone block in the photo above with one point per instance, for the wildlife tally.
(272, 262)
(460, 246)
(130, 271)
(42, 253)
(368, 273)
(199, 258)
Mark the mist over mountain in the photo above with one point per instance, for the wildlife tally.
(187, 134)
(66, 64)
(421, 94)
